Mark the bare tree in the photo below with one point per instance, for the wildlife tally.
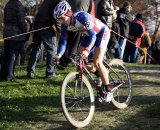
(156, 4)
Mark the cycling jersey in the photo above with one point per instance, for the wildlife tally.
(96, 33)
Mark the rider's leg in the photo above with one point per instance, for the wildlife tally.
(98, 62)
(103, 72)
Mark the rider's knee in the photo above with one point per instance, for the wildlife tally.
(98, 64)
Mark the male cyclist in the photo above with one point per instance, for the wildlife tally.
(96, 34)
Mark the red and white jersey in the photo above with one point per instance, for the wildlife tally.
(96, 31)
(83, 22)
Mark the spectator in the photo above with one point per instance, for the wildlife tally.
(124, 18)
(106, 10)
(79, 5)
(145, 44)
(149, 50)
(44, 18)
(96, 2)
(114, 39)
(136, 31)
(155, 49)
(29, 21)
(14, 21)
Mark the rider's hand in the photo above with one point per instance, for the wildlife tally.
(56, 60)
(116, 8)
(84, 54)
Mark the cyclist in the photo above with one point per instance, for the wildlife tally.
(96, 34)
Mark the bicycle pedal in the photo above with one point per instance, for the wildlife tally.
(100, 100)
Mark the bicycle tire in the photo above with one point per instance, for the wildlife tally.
(70, 85)
(123, 95)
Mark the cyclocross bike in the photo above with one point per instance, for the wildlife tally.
(77, 95)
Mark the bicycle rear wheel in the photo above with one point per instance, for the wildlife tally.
(123, 95)
(77, 100)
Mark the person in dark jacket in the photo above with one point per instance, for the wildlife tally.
(14, 24)
(124, 18)
(105, 11)
(80, 5)
(43, 19)
(114, 39)
(155, 52)
(136, 32)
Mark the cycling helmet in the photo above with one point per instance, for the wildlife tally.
(61, 9)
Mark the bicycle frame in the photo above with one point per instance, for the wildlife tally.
(109, 67)
(80, 63)
(82, 69)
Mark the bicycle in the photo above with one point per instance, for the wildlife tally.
(77, 95)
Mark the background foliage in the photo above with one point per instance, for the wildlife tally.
(149, 8)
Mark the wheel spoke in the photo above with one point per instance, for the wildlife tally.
(118, 73)
(71, 90)
(76, 100)
(84, 105)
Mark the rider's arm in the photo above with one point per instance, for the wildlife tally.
(62, 43)
(87, 21)
(92, 39)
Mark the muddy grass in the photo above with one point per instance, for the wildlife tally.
(34, 106)
(144, 110)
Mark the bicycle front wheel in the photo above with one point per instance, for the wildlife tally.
(77, 100)
(119, 73)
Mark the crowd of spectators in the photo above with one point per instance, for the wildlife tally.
(130, 40)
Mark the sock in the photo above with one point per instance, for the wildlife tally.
(106, 88)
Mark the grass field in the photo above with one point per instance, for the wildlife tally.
(32, 104)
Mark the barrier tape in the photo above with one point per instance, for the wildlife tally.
(2, 39)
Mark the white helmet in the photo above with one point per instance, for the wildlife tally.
(61, 9)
